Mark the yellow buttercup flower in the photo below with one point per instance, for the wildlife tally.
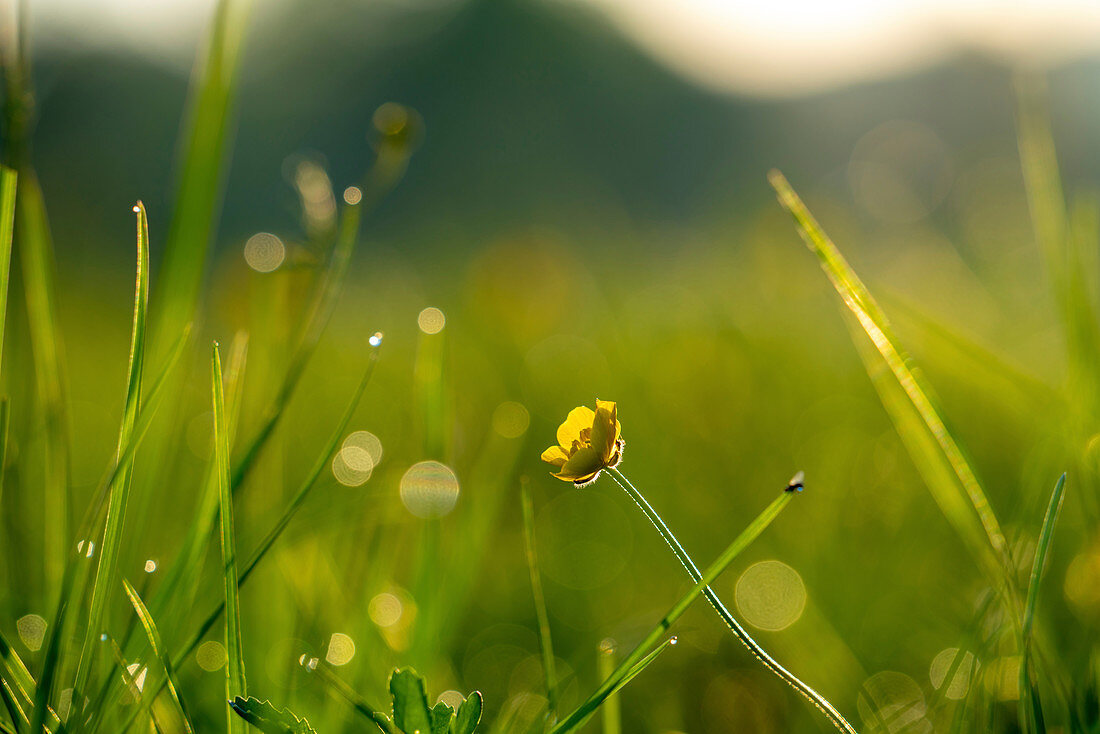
(588, 442)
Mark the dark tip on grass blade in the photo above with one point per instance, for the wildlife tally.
(234, 672)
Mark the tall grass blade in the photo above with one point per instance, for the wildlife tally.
(962, 500)
(8, 184)
(234, 671)
(292, 507)
(199, 187)
(382, 177)
(157, 644)
(106, 578)
(611, 713)
(32, 237)
(626, 668)
(545, 644)
(356, 701)
(1031, 711)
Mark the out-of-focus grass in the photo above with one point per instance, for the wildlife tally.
(388, 533)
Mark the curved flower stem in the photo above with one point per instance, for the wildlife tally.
(826, 708)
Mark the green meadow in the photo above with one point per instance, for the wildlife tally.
(843, 474)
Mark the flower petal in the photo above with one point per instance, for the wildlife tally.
(555, 455)
(581, 465)
(577, 420)
(604, 430)
(611, 406)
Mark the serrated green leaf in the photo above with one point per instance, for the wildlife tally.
(441, 718)
(268, 719)
(410, 703)
(469, 714)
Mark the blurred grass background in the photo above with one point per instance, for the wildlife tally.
(586, 224)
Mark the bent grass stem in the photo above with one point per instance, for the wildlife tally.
(735, 627)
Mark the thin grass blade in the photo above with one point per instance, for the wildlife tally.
(106, 578)
(234, 672)
(545, 644)
(8, 183)
(292, 508)
(201, 174)
(157, 644)
(626, 668)
(963, 500)
(1030, 708)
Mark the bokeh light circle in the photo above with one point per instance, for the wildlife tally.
(264, 252)
(431, 320)
(429, 489)
(770, 595)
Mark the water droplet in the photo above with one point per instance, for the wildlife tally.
(150, 566)
(103, 637)
(375, 339)
(136, 208)
(673, 640)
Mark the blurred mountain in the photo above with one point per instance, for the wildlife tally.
(536, 113)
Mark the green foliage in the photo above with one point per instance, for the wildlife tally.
(410, 702)
(268, 719)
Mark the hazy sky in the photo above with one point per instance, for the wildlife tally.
(769, 47)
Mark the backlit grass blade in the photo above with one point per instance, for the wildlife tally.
(545, 644)
(201, 174)
(356, 701)
(383, 176)
(319, 313)
(142, 703)
(292, 507)
(962, 500)
(106, 579)
(611, 713)
(234, 671)
(183, 573)
(1029, 696)
(32, 237)
(627, 667)
(157, 644)
(8, 183)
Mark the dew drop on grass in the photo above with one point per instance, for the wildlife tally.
(673, 640)
(375, 339)
(150, 566)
